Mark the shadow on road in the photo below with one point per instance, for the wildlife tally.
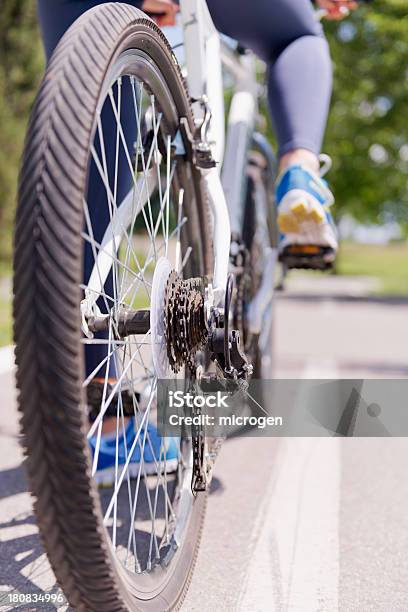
(24, 567)
(23, 564)
(12, 481)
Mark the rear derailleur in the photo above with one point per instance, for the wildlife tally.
(193, 324)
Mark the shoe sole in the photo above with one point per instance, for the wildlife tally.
(301, 217)
(307, 257)
(106, 477)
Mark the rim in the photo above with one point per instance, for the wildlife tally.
(146, 511)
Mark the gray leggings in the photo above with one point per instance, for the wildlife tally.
(282, 32)
(285, 34)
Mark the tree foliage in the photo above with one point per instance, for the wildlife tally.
(367, 134)
(21, 64)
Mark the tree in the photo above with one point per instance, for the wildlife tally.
(367, 134)
(21, 65)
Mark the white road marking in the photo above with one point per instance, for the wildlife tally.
(295, 561)
(320, 369)
(6, 359)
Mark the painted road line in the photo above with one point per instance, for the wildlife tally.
(295, 562)
(319, 369)
(6, 359)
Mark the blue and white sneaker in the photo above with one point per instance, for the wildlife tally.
(154, 446)
(308, 235)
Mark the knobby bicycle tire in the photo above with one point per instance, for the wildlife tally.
(48, 269)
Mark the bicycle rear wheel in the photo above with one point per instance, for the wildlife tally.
(82, 250)
(259, 235)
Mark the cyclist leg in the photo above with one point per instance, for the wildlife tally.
(56, 16)
(287, 36)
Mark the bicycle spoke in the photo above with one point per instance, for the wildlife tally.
(142, 216)
(166, 235)
(143, 423)
(107, 403)
(178, 243)
(105, 386)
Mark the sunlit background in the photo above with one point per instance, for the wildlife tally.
(367, 138)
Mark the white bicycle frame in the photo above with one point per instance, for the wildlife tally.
(205, 56)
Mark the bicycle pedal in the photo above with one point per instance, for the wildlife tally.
(308, 257)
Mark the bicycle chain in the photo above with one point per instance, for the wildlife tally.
(186, 333)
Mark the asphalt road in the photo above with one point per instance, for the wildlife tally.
(293, 524)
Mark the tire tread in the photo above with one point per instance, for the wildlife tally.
(47, 352)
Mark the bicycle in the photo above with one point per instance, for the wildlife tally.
(181, 283)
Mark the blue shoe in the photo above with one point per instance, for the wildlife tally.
(154, 445)
(308, 235)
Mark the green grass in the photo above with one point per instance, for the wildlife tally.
(141, 300)
(5, 323)
(388, 264)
